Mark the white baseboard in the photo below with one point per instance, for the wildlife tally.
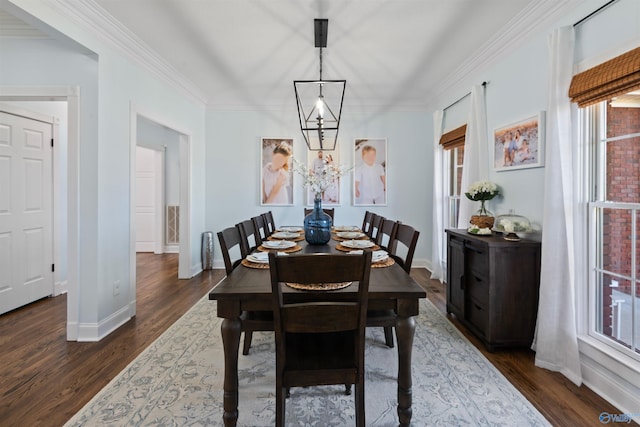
(196, 269)
(92, 332)
(60, 288)
(171, 249)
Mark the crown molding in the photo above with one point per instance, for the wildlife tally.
(530, 21)
(106, 28)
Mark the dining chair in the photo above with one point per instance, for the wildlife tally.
(269, 223)
(328, 211)
(386, 233)
(261, 227)
(366, 222)
(309, 352)
(250, 237)
(376, 220)
(407, 237)
(231, 241)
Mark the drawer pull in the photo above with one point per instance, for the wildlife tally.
(462, 281)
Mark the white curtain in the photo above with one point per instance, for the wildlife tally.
(555, 341)
(476, 158)
(438, 201)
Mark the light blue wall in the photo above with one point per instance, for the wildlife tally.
(233, 168)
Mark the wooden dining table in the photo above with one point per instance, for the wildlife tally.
(247, 288)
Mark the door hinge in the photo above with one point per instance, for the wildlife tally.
(53, 268)
(51, 142)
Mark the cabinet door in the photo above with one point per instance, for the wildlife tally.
(455, 277)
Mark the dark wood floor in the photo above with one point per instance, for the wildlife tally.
(44, 379)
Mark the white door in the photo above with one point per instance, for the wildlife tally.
(26, 237)
(148, 203)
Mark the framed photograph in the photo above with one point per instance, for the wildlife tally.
(316, 160)
(519, 145)
(276, 173)
(370, 172)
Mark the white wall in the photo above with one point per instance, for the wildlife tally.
(518, 89)
(110, 83)
(233, 169)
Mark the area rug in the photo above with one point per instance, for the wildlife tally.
(177, 381)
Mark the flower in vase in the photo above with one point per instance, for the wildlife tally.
(482, 190)
(319, 179)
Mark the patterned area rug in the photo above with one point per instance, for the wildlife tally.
(177, 381)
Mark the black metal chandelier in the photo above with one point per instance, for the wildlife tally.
(319, 101)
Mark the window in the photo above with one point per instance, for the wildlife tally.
(453, 144)
(614, 211)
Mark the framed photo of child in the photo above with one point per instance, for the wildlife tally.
(316, 161)
(519, 145)
(276, 177)
(370, 172)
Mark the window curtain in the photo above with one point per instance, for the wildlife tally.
(438, 202)
(475, 164)
(555, 341)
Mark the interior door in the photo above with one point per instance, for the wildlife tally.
(147, 205)
(26, 236)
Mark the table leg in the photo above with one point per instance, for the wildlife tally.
(231, 342)
(405, 328)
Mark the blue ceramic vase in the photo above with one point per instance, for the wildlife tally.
(317, 225)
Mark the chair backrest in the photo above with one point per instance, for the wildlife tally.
(250, 238)
(269, 223)
(386, 233)
(376, 220)
(319, 268)
(403, 254)
(230, 242)
(260, 227)
(366, 222)
(328, 211)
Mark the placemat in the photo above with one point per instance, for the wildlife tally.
(385, 263)
(318, 286)
(293, 239)
(346, 249)
(295, 248)
(250, 264)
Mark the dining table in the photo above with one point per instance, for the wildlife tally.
(248, 287)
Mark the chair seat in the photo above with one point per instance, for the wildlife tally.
(324, 358)
(381, 318)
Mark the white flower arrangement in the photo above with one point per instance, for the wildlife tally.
(320, 179)
(482, 190)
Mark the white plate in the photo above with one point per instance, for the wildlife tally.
(350, 234)
(378, 256)
(346, 228)
(291, 229)
(278, 244)
(358, 244)
(259, 257)
(284, 235)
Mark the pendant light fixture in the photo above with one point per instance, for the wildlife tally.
(320, 101)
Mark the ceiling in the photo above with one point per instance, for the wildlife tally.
(394, 54)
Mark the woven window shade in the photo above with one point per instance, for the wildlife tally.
(454, 138)
(614, 77)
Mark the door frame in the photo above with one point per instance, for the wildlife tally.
(184, 257)
(70, 94)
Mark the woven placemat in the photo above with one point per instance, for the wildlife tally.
(318, 286)
(295, 248)
(343, 239)
(293, 239)
(250, 264)
(346, 249)
(385, 263)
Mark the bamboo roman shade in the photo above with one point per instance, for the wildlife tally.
(454, 138)
(614, 77)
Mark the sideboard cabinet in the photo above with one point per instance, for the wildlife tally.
(492, 286)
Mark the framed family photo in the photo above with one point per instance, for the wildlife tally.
(519, 145)
(276, 177)
(370, 172)
(316, 160)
